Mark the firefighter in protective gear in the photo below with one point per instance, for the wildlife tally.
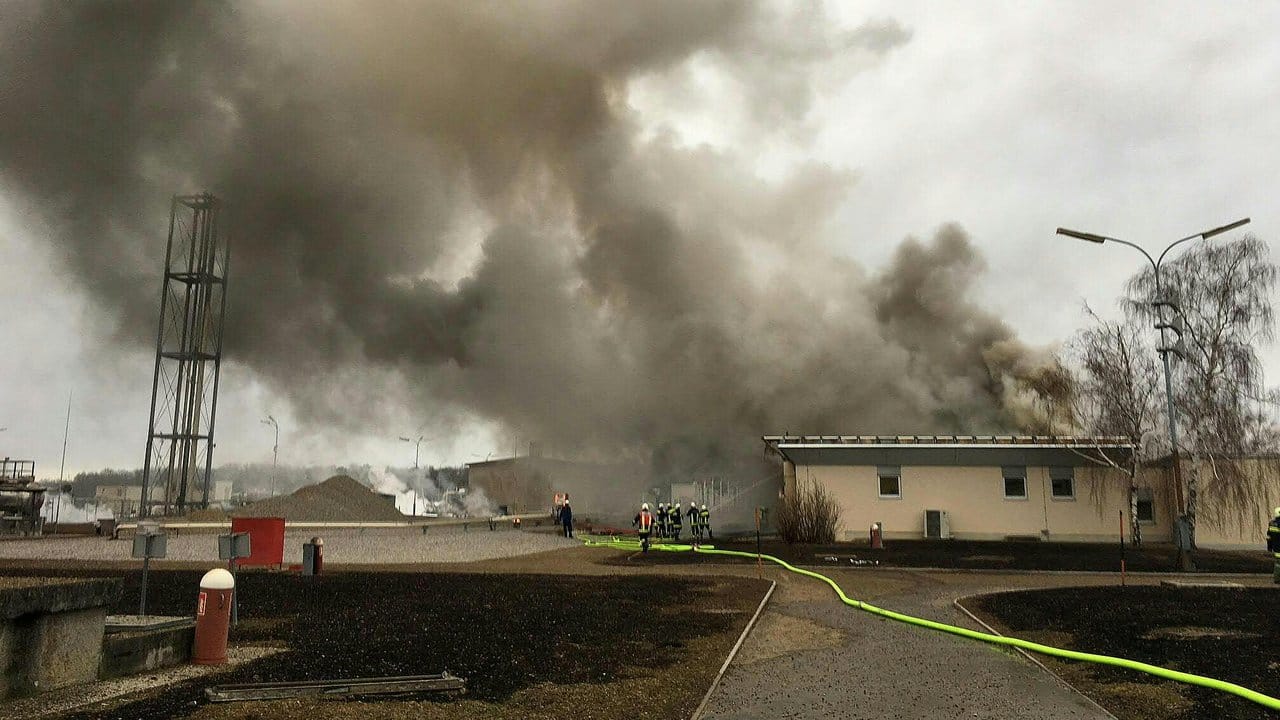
(644, 525)
(694, 525)
(662, 520)
(704, 519)
(673, 521)
(1273, 543)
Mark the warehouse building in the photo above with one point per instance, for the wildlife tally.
(1004, 487)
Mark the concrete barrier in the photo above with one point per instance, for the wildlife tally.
(51, 632)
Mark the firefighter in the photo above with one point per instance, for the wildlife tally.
(673, 521)
(644, 525)
(662, 520)
(1273, 543)
(694, 526)
(704, 519)
(566, 519)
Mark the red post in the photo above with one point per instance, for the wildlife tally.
(213, 617)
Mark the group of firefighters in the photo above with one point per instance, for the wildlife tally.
(668, 522)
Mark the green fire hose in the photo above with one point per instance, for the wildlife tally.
(1182, 677)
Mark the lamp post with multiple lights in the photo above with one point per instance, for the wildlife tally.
(1173, 323)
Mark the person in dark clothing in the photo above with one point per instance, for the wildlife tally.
(704, 519)
(673, 519)
(566, 519)
(662, 520)
(694, 526)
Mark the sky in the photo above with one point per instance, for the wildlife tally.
(1143, 121)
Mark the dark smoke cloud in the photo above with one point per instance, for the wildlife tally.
(630, 291)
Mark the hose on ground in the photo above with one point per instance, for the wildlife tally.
(1155, 670)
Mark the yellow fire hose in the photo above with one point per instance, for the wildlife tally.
(1183, 677)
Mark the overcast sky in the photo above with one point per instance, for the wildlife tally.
(1145, 121)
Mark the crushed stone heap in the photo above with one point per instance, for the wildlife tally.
(340, 498)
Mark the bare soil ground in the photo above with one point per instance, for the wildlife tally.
(529, 645)
(1008, 555)
(1225, 633)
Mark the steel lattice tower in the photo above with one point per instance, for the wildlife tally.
(184, 388)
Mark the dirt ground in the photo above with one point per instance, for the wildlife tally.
(529, 645)
(1229, 634)
(1008, 555)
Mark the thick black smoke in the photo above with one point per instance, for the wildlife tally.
(629, 291)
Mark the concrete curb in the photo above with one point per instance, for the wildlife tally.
(956, 602)
(715, 683)
(993, 571)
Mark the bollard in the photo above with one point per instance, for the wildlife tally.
(213, 617)
(877, 536)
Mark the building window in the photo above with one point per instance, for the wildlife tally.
(1146, 505)
(890, 481)
(1063, 480)
(1015, 482)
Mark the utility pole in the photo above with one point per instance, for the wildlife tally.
(1174, 323)
(275, 451)
(66, 430)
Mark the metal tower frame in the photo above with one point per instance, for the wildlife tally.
(193, 304)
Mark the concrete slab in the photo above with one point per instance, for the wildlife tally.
(133, 623)
(1200, 584)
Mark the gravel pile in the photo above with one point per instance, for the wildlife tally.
(341, 497)
(346, 546)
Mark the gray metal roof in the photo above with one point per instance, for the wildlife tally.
(951, 450)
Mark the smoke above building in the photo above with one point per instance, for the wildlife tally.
(452, 205)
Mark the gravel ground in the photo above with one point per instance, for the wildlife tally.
(354, 547)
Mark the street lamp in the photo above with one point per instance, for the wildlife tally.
(416, 444)
(1160, 302)
(275, 451)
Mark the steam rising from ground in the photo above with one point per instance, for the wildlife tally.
(629, 289)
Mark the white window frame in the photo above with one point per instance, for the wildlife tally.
(1070, 477)
(1011, 472)
(888, 471)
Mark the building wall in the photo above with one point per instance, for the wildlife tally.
(974, 500)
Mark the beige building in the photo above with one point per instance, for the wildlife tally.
(123, 500)
(1006, 487)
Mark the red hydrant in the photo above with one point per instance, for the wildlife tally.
(213, 617)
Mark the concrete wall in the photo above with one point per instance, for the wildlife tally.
(51, 632)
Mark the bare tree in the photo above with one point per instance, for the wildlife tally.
(1117, 394)
(1222, 294)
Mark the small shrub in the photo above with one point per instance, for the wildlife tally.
(808, 515)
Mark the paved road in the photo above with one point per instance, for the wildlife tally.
(812, 657)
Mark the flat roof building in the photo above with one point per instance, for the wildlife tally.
(997, 487)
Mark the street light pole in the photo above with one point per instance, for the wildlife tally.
(275, 451)
(416, 444)
(1186, 507)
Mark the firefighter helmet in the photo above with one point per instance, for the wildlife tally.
(644, 506)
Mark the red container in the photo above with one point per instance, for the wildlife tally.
(266, 541)
(213, 617)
